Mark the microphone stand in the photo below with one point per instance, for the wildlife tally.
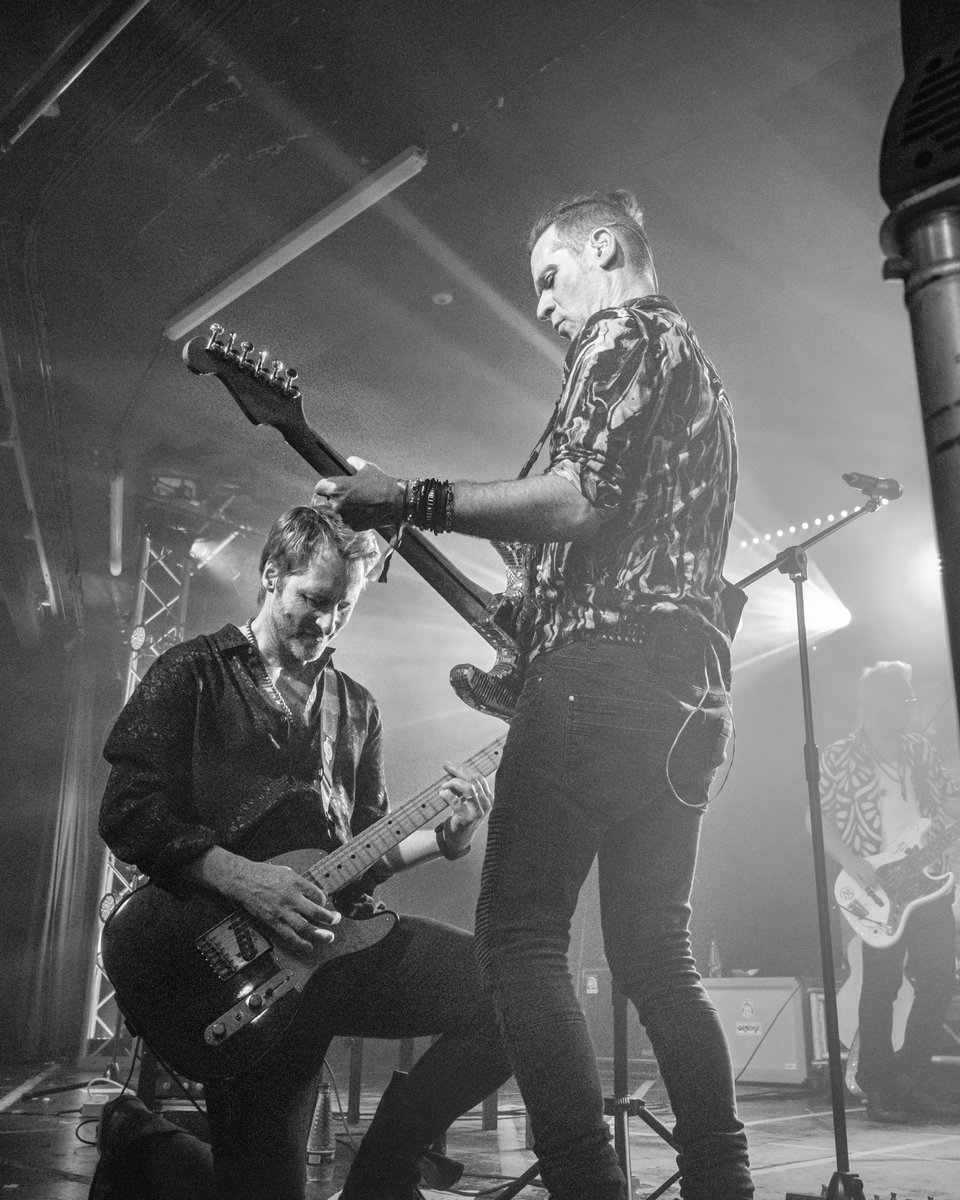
(844, 1185)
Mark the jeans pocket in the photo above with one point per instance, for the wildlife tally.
(616, 751)
(697, 753)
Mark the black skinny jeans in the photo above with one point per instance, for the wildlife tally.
(590, 769)
(419, 981)
(926, 948)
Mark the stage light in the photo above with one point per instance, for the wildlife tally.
(366, 193)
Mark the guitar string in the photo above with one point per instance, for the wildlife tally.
(487, 757)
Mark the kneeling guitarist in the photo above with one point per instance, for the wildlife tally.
(875, 784)
(247, 744)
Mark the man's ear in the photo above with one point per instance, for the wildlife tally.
(270, 576)
(602, 246)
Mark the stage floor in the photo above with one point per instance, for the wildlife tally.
(790, 1130)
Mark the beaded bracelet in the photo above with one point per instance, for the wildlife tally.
(428, 504)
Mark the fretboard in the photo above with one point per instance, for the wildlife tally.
(936, 846)
(350, 861)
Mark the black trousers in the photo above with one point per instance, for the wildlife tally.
(926, 951)
(421, 980)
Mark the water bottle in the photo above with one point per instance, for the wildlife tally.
(320, 1144)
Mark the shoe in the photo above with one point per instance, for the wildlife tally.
(125, 1119)
(888, 1110)
(120, 1114)
(933, 1109)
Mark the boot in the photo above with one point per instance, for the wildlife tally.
(125, 1125)
(394, 1153)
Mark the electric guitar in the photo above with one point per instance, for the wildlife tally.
(878, 915)
(207, 986)
(269, 395)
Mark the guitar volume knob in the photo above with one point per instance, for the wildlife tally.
(219, 1030)
(254, 1002)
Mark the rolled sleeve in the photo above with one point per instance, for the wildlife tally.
(615, 375)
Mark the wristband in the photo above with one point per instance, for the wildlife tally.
(446, 849)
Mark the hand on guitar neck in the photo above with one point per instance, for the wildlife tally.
(376, 498)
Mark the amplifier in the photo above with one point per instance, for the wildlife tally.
(766, 1027)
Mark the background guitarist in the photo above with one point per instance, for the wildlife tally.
(875, 783)
(196, 757)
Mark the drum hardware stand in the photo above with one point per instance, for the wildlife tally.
(844, 1184)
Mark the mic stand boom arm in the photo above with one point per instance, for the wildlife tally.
(775, 564)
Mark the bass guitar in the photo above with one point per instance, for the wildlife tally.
(268, 394)
(878, 915)
(207, 986)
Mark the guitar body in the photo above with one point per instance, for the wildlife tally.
(906, 883)
(209, 990)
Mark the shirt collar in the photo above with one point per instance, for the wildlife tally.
(230, 639)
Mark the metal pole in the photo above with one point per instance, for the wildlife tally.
(922, 240)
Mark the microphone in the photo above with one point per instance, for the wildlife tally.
(872, 485)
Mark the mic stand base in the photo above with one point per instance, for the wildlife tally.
(844, 1185)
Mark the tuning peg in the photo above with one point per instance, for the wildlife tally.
(214, 343)
(228, 350)
(246, 349)
(289, 380)
(275, 368)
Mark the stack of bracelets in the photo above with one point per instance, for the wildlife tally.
(428, 504)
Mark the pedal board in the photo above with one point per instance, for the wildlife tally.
(821, 1195)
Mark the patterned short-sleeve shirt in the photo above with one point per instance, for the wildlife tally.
(645, 431)
(850, 788)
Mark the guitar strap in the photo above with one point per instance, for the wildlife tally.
(535, 452)
(329, 731)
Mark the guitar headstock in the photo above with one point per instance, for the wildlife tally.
(267, 392)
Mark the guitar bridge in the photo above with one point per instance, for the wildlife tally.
(231, 945)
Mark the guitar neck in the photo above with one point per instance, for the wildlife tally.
(936, 846)
(349, 862)
(462, 594)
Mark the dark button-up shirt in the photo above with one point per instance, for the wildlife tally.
(645, 431)
(200, 757)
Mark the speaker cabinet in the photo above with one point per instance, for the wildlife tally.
(596, 1000)
(766, 1025)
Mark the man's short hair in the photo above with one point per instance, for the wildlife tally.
(577, 217)
(301, 532)
(873, 678)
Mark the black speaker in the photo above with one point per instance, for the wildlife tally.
(596, 999)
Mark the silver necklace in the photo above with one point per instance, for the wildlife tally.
(271, 688)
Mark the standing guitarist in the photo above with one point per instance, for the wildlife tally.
(252, 735)
(624, 714)
(874, 784)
